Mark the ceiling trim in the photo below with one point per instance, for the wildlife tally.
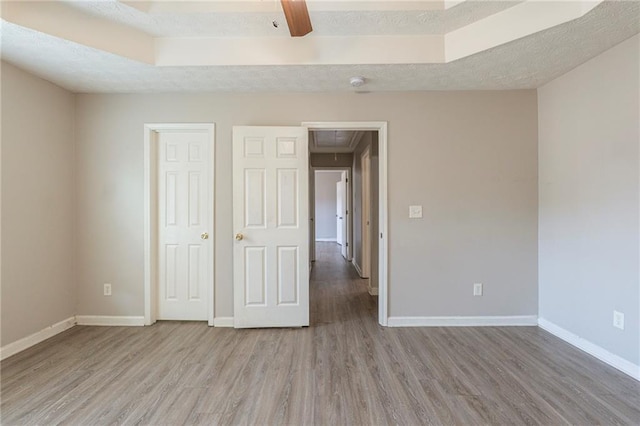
(511, 24)
(448, 4)
(526, 63)
(59, 20)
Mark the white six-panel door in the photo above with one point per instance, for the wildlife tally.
(184, 222)
(271, 223)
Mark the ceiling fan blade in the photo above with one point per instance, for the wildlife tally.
(297, 17)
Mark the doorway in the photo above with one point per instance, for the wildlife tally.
(376, 214)
(330, 205)
(178, 233)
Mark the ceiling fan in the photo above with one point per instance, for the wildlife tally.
(297, 17)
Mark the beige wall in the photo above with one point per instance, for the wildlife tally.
(38, 285)
(469, 157)
(589, 199)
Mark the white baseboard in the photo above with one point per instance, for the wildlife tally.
(223, 322)
(599, 352)
(355, 265)
(109, 320)
(326, 240)
(35, 338)
(519, 320)
(373, 291)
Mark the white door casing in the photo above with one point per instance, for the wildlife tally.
(342, 228)
(185, 243)
(339, 214)
(381, 127)
(271, 222)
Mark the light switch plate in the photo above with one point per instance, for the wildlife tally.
(415, 212)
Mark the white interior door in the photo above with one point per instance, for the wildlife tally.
(271, 221)
(339, 214)
(184, 222)
(366, 213)
(342, 229)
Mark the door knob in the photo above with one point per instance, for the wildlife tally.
(204, 236)
(239, 236)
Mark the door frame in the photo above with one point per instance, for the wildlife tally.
(312, 199)
(383, 247)
(365, 202)
(342, 232)
(151, 215)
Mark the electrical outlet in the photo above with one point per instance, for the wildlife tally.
(477, 289)
(107, 289)
(618, 320)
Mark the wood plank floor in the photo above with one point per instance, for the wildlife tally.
(343, 369)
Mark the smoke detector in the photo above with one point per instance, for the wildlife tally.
(356, 81)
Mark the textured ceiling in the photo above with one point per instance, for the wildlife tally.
(334, 141)
(325, 23)
(525, 63)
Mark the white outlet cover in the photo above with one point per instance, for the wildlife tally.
(618, 320)
(415, 212)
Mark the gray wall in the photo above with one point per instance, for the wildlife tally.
(469, 157)
(38, 283)
(589, 200)
(326, 204)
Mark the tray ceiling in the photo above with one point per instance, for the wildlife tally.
(110, 46)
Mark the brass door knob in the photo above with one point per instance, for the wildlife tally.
(204, 235)
(239, 236)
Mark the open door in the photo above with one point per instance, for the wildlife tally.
(271, 221)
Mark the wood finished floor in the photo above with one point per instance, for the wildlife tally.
(344, 369)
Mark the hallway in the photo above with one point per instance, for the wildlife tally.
(343, 369)
(337, 293)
